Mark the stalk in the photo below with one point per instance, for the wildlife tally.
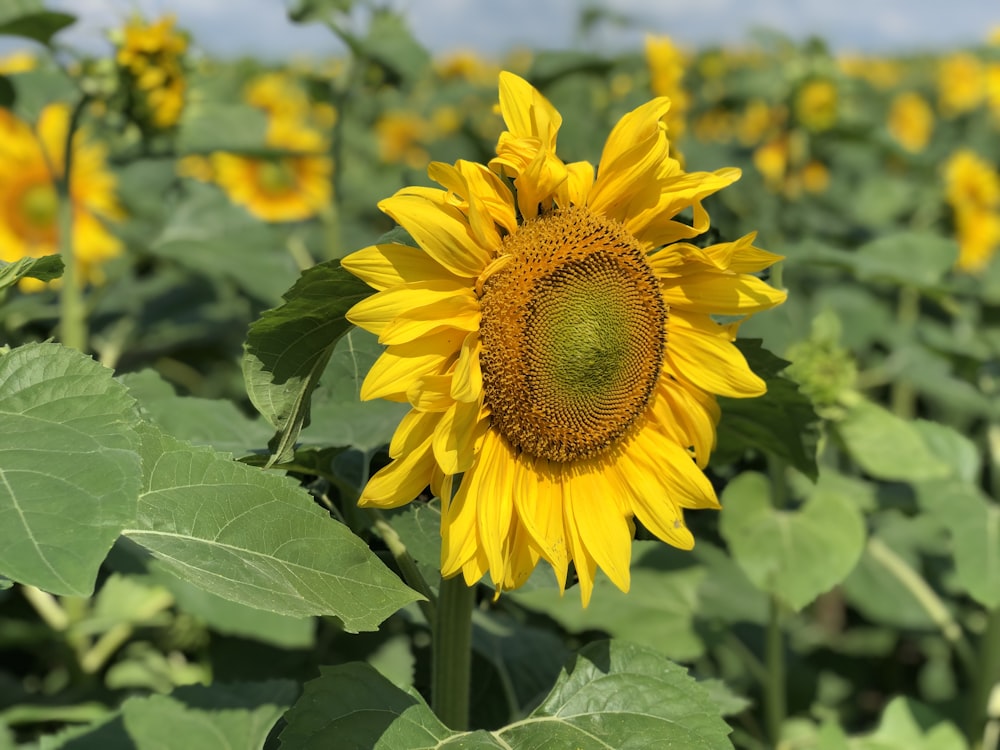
(451, 653)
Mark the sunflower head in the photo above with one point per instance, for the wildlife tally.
(553, 333)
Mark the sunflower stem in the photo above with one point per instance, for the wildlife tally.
(451, 653)
(987, 678)
(774, 661)
(907, 315)
(72, 312)
(407, 566)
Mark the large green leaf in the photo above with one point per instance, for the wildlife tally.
(795, 554)
(256, 538)
(289, 347)
(610, 695)
(974, 523)
(782, 422)
(887, 446)
(29, 18)
(69, 467)
(219, 716)
(46, 268)
(209, 125)
(919, 259)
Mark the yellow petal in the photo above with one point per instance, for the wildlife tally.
(522, 558)
(376, 312)
(441, 229)
(603, 531)
(431, 393)
(467, 384)
(654, 225)
(526, 112)
(413, 430)
(401, 366)
(401, 481)
(722, 294)
(455, 436)
(689, 413)
(383, 266)
(460, 310)
(702, 352)
(492, 484)
(538, 501)
(586, 567)
(681, 482)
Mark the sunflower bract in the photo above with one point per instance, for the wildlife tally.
(553, 334)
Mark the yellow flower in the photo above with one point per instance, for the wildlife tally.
(971, 182)
(993, 89)
(815, 177)
(972, 188)
(911, 121)
(553, 334)
(757, 120)
(30, 160)
(466, 65)
(278, 95)
(400, 138)
(666, 70)
(879, 72)
(20, 61)
(816, 104)
(771, 160)
(150, 57)
(288, 187)
(961, 84)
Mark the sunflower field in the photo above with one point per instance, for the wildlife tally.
(569, 399)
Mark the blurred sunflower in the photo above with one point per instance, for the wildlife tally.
(972, 188)
(666, 70)
(553, 334)
(30, 161)
(150, 57)
(816, 104)
(911, 121)
(20, 61)
(961, 84)
(284, 187)
(400, 138)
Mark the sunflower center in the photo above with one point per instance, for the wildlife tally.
(276, 176)
(39, 206)
(573, 334)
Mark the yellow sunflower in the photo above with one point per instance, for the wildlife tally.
(816, 104)
(150, 57)
(30, 159)
(286, 187)
(666, 64)
(911, 121)
(553, 334)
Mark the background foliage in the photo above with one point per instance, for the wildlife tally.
(180, 552)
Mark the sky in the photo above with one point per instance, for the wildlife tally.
(261, 28)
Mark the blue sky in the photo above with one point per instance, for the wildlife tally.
(260, 27)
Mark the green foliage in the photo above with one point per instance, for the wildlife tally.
(30, 19)
(46, 268)
(641, 697)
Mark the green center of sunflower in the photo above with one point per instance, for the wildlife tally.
(39, 206)
(573, 334)
(276, 176)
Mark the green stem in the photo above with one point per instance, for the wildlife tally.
(907, 316)
(72, 312)
(987, 675)
(451, 653)
(407, 566)
(774, 659)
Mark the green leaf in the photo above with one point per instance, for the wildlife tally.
(202, 421)
(69, 467)
(36, 89)
(30, 19)
(974, 524)
(919, 259)
(46, 268)
(209, 125)
(231, 618)
(210, 235)
(230, 716)
(309, 11)
(338, 415)
(390, 43)
(795, 554)
(952, 448)
(657, 612)
(909, 725)
(886, 446)
(610, 694)
(782, 422)
(255, 538)
(7, 93)
(288, 348)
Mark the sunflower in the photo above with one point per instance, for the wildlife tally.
(666, 64)
(30, 159)
(151, 57)
(961, 83)
(553, 334)
(816, 104)
(911, 121)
